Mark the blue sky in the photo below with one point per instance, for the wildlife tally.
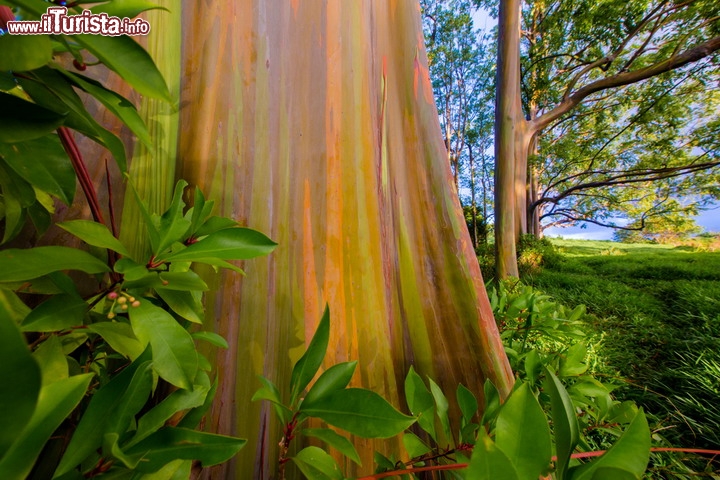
(709, 220)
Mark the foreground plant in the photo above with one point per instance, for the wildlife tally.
(512, 440)
(114, 383)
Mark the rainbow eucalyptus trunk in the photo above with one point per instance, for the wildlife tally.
(509, 163)
(315, 123)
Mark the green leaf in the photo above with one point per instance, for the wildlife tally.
(150, 226)
(117, 104)
(188, 280)
(630, 453)
(95, 234)
(21, 120)
(414, 446)
(308, 365)
(489, 462)
(228, 244)
(55, 403)
(215, 224)
(358, 411)
(522, 433)
(199, 213)
(43, 163)
(492, 402)
(176, 402)
(212, 338)
(173, 224)
(126, 57)
(90, 431)
(120, 337)
(335, 440)
(442, 406)
(174, 356)
(193, 417)
(572, 364)
(126, 8)
(171, 443)
(130, 269)
(53, 91)
(270, 392)
(185, 304)
(132, 400)
(20, 377)
(316, 464)
(533, 365)
(420, 402)
(334, 378)
(467, 402)
(53, 362)
(26, 264)
(565, 424)
(60, 312)
(24, 52)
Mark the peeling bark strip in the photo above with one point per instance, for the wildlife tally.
(283, 111)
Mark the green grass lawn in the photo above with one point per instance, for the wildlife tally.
(657, 310)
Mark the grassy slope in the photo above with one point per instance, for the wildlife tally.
(658, 308)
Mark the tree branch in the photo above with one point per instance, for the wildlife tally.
(626, 78)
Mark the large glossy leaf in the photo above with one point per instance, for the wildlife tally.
(170, 443)
(335, 440)
(43, 163)
(58, 313)
(123, 55)
(183, 303)
(316, 464)
(117, 104)
(120, 337)
(20, 378)
(441, 407)
(174, 355)
(173, 224)
(488, 462)
(21, 120)
(270, 392)
(523, 434)
(94, 233)
(630, 453)
(89, 433)
(227, 244)
(52, 360)
(24, 52)
(176, 402)
(132, 400)
(334, 378)
(51, 90)
(55, 403)
(565, 424)
(26, 264)
(193, 417)
(308, 365)
(467, 402)
(420, 402)
(360, 412)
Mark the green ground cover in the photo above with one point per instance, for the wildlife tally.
(656, 311)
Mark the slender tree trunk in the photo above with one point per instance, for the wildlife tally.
(315, 122)
(473, 202)
(508, 125)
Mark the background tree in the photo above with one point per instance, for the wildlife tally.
(461, 69)
(590, 50)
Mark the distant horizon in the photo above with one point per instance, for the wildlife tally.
(709, 220)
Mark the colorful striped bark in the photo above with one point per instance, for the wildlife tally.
(314, 122)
